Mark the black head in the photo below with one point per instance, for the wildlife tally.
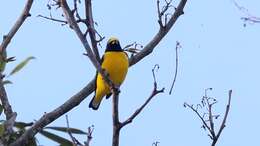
(113, 45)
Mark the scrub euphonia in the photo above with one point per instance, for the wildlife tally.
(115, 63)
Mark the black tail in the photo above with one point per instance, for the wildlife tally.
(92, 106)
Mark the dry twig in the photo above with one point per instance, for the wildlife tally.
(176, 66)
(208, 124)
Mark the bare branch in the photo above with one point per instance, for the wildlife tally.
(208, 103)
(198, 114)
(89, 135)
(248, 17)
(223, 124)
(176, 66)
(91, 28)
(4, 99)
(158, 37)
(56, 113)
(71, 20)
(74, 140)
(115, 116)
(153, 94)
(17, 25)
(53, 19)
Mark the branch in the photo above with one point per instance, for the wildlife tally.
(91, 28)
(4, 100)
(89, 135)
(176, 66)
(223, 124)
(198, 114)
(249, 17)
(71, 20)
(17, 25)
(208, 104)
(74, 140)
(56, 113)
(160, 35)
(53, 19)
(116, 123)
(138, 111)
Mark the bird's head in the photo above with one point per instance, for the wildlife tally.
(113, 45)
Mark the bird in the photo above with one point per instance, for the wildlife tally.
(115, 63)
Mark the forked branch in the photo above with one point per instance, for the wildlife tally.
(208, 122)
(153, 94)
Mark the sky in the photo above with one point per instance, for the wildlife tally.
(217, 51)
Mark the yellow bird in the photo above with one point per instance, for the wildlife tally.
(115, 63)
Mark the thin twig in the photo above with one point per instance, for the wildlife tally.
(198, 114)
(89, 135)
(53, 19)
(176, 66)
(74, 140)
(153, 94)
(249, 17)
(208, 104)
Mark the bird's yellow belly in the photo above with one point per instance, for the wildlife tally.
(116, 65)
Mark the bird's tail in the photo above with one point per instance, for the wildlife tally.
(94, 104)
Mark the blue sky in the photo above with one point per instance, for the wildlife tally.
(217, 51)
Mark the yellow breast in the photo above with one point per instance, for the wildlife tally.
(116, 65)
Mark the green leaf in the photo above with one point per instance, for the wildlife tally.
(5, 82)
(62, 141)
(21, 65)
(1, 108)
(22, 125)
(65, 129)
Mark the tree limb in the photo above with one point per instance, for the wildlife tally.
(56, 113)
(91, 28)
